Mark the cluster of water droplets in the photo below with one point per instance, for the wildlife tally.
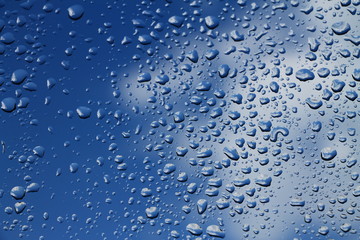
(180, 119)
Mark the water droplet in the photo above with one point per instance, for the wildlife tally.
(340, 28)
(305, 75)
(76, 11)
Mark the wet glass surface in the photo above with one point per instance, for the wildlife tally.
(179, 119)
